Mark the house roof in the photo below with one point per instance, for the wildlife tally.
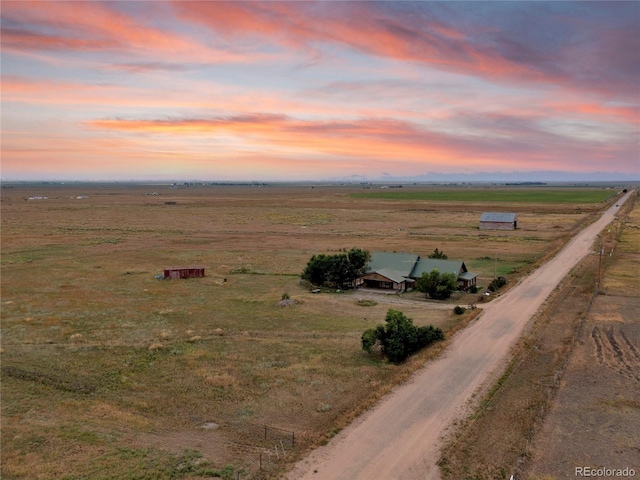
(443, 266)
(467, 275)
(392, 275)
(399, 267)
(401, 263)
(499, 217)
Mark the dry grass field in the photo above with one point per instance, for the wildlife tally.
(108, 372)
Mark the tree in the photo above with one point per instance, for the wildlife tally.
(338, 270)
(399, 338)
(358, 260)
(438, 254)
(316, 269)
(436, 285)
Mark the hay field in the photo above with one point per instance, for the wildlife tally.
(108, 372)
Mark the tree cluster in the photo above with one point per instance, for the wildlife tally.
(340, 270)
(399, 337)
(436, 285)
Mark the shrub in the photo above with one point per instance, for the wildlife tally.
(473, 289)
(438, 254)
(366, 303)
(497, 283)
(285, 296)
(399, 338)
(458, 310)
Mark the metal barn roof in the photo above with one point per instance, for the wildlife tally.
(500, 217)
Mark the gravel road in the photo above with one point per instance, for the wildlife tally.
(399, 438)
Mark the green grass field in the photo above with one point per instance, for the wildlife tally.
(541, 195)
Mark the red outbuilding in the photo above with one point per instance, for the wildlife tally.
(184, 272)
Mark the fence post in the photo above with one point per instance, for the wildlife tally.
(260, 461)
(265, 432)
(293, 439)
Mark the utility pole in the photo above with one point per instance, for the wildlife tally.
(600, 268)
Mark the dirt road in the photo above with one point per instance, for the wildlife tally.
(399, 438)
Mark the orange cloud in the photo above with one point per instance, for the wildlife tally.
(380, 139)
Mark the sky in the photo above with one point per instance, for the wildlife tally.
(266, 91)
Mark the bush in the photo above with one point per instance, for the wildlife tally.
(399, 338)
(458, 310)
(497, 284)
(367, 303)
(438, 254)
(285, 296)
(473, 289)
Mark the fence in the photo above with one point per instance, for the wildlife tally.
(272, 443)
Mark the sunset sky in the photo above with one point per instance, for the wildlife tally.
(231, 91)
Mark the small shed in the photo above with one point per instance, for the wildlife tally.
(498, 221)
(184, 272)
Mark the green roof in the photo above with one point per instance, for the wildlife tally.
(393, 275)
(401, 263)
(443, 266)
(468, 275)
(401, 266)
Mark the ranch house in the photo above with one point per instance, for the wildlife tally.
(399, 271)
(498, 221)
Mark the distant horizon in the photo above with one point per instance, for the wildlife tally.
(481, 178)
(317, 91)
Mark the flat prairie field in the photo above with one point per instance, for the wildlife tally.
(109, 372)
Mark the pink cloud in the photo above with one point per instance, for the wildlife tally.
(559, 51)
(94, 26)
(365, 28)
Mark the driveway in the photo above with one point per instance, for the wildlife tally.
(399, 438)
